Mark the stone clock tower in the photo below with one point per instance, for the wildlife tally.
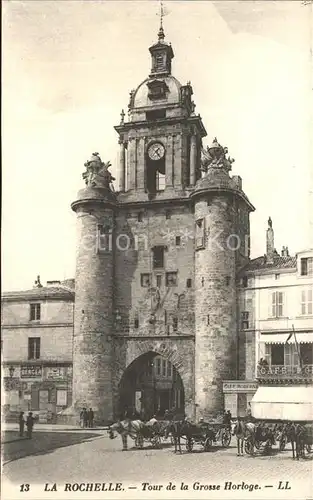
(158, 287)
(163, 135)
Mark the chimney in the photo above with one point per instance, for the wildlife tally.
(270, 250)
(53, 283)
(285, 252)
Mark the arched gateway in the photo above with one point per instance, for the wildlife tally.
(150, 385)
(154, 376)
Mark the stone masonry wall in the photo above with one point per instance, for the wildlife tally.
(92, 366)
(215, 305)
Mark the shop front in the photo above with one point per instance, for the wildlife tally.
(237, 396)
(44, 390)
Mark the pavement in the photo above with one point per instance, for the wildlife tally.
(8, 426)
(91, 457)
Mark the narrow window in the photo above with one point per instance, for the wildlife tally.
(158, 257)
(199, 233)
(277, 304)
(34, 348)
(277, 354)
(158, 366)
(145, 279)
(164, 362)
(136, 322)
(35, 312)
(188, 283)
(304, 267)
(158, 280)
(175, 323)
(244, 320)
(208, 319)
(171, 279)
(177, 240)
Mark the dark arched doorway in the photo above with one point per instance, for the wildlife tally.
(150, 386)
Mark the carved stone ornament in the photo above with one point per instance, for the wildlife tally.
(97, 173)
(215, 156)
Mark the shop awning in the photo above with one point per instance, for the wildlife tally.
(280, 338)
(283, 403)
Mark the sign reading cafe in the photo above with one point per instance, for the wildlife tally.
(29, 371)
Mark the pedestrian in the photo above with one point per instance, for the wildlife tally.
(81, 418)
(90, 417)
(229, 418)
(21, 423)
(85, 418)
(30, 424)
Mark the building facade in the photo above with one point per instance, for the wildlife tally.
(277, 328)
(37, 340)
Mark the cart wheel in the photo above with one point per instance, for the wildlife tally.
(282, 444)
(308, 448)
(248, 447)
(207, 444)
(189, 444)
(226, 439)
(258, 444)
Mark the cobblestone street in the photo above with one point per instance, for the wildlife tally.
(100, 460)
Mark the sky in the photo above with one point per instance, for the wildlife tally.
(68, 68)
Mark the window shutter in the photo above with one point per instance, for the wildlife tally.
(268, 353)
(273, 304)
(37, 348)
(35, 399)
(261, 350)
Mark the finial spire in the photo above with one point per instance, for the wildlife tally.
(161, 34)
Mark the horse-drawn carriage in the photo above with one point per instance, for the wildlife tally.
(262, 435)
(262, 439)
(222, 433)
(203, 433)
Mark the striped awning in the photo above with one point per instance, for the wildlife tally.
(293, 403)
(280, 338)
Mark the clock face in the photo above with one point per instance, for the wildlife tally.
(156, 151)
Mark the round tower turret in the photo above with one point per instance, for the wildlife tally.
(216, 248)
(93, 324)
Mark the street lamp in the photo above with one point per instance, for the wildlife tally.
(11, 371)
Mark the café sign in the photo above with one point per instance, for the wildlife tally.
(31, 371)
(239, 386)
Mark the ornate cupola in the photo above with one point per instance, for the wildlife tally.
(161, 55)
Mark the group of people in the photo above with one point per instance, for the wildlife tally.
(87, 418)
(29, 421)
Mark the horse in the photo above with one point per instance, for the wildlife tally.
(127, 427)
(303, 439)
(242, 430)
(184, 428)
(176, 428)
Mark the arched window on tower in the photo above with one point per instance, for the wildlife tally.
(155, 168)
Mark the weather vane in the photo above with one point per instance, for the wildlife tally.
(163, 12)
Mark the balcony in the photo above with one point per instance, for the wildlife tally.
(282, 374)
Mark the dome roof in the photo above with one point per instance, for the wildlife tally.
(172, 96)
